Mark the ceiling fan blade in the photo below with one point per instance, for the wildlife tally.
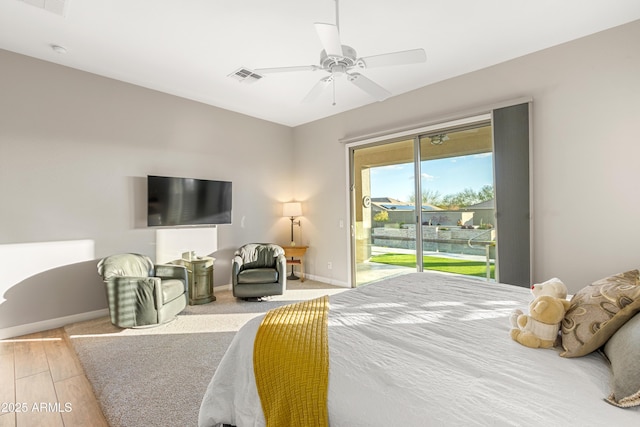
(287, 69)
(369, 86)
(412, 56)
(317, 89)
(330, 38)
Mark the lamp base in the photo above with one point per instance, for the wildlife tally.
(292, 276)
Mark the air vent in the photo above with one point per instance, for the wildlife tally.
(245, 75)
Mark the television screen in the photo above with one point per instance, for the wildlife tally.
(187, 201)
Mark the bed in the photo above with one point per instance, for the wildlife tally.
(430, 349)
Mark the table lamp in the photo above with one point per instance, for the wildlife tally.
(292, 210)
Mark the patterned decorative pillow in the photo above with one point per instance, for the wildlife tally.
(623, 351)
(597, 311)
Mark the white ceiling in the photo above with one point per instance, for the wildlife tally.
(189, 47)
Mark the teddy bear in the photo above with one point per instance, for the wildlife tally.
(539, 329)
(552, 287)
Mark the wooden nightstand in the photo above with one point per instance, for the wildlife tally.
(200, 271)
(295, 256)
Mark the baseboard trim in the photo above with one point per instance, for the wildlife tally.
(44, 325)
(327, 280)
(226, 287)
(332, 282)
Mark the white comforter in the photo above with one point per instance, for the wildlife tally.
(429, 349)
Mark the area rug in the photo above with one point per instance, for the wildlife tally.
(157, 376)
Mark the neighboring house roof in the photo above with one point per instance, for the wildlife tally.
(388, 200)
(389, 204)
(395, 207)
(487, 204)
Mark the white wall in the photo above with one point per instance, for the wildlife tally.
(585, 153)
(75, 149)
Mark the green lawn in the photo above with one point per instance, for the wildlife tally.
(449, 265)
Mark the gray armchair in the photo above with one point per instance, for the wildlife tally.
(258, 270)
(141, 293)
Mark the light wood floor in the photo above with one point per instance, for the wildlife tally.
(42, 383)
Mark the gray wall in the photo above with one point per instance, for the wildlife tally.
(75, 149)
(585, 150)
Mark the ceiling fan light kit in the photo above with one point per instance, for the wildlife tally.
(339, 60)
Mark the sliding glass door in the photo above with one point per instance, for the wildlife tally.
(458, 203)
(382, 189)
(439, 199)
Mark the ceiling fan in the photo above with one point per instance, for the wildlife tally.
(341, 60)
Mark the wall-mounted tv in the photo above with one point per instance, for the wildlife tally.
(186, 201)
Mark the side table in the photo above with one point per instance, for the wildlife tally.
(200, 272)
(293, 252)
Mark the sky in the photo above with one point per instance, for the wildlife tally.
(446, 176)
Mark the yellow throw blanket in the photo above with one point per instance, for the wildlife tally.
(291, 364)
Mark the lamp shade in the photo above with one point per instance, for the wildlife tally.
(292, 209)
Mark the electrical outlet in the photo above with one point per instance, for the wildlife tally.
(329, 265)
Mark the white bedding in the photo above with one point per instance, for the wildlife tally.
(429, 349)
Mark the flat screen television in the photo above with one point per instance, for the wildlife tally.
(175, 202)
